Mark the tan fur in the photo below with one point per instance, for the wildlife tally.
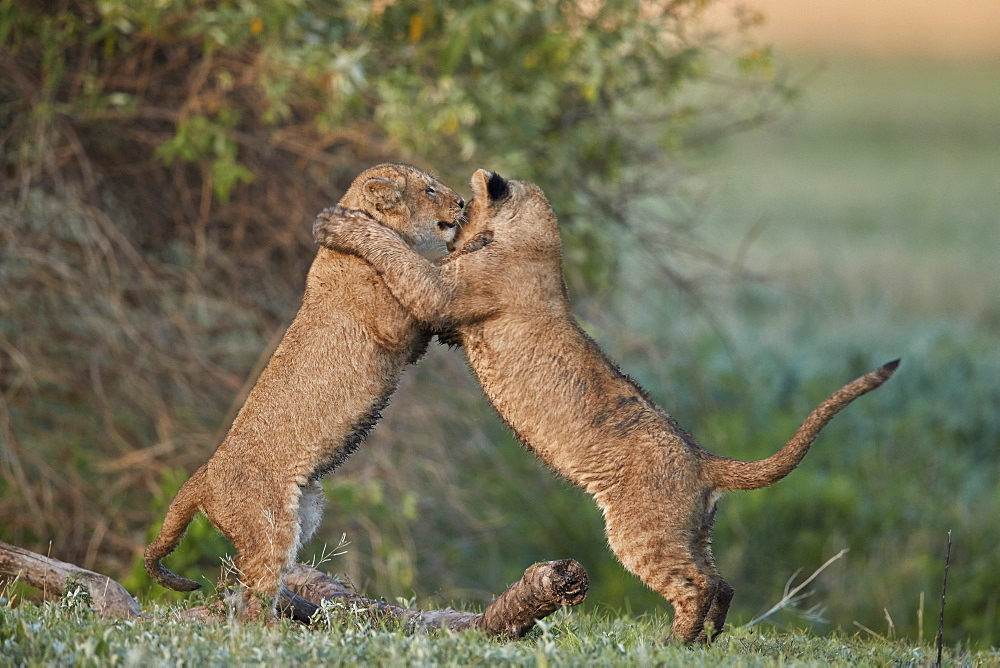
(567, 401)
(316, 399)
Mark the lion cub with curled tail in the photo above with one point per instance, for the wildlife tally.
(567, 401)
(316, 399)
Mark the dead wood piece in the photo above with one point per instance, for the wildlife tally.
(315, 586)
(53, 577)
(544, 588)
(294, 606)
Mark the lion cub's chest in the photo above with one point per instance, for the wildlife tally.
(345, 288)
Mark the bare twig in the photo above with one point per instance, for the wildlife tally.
(944, 588)
(790, 596)
(920, 619)
(891, 628)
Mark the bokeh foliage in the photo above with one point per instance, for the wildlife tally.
(208, 103)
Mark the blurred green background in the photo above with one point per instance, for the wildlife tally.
(746, 228)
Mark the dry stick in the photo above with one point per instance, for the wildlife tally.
(944, 588)
(543, 589)
(891, 625)
(790, 595)
(920, 619)
(868, 630)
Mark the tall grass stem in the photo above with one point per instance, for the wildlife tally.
(789, 596)
(944, 588)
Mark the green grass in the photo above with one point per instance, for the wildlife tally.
(67, 633)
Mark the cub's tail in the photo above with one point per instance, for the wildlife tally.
(731, 474)
(179, 515)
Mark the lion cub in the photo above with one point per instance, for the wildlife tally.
(567, 401)
(316, 399)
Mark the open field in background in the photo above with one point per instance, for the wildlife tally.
(873, 217)
(886, 181)
(909, 29)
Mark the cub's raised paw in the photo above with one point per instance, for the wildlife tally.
(477, 242)
(332, 220)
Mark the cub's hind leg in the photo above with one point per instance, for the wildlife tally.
(719, 608)
(261, 519)
(717, 612)
(264, 559)
(658, 550)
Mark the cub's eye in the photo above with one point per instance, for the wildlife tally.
(430, 191)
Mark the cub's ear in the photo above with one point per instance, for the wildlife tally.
(384, 194)
(497, 188)
(491, 185)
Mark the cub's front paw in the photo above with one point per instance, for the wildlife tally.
(351, 231)
(334, 223)
(332, 220)
(477, 242)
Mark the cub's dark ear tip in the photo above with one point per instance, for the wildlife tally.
(893, 365)
(497, 187)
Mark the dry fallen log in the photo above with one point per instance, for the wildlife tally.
(53, 576)
(544, 588)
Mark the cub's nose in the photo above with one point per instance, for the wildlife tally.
(460, 202)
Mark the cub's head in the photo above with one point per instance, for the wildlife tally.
(408, 200)
(516, 211)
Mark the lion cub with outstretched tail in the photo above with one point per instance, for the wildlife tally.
(567, 401)
(316, 399)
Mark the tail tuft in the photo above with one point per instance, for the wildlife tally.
(167, 578)
(891, 366)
